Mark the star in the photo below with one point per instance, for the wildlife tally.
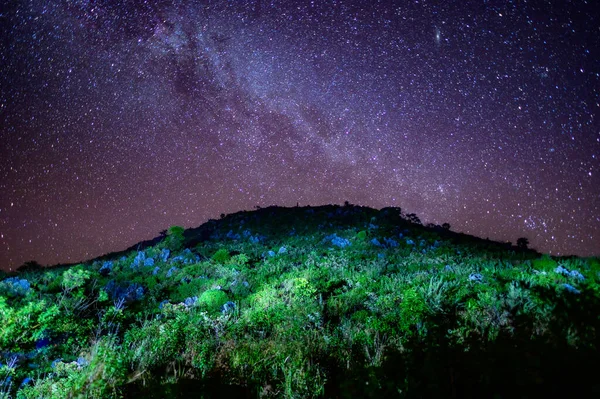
(120, 120)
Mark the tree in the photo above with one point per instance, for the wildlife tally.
(30, 266)
(412, 217)
(522, 243)
(446, 226)
(174, 240)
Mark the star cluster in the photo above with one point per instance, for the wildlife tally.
(119, 119)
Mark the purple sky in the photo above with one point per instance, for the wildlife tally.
(119, 119)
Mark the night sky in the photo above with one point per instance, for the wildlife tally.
(119, 119)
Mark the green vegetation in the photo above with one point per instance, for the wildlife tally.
(332, 301)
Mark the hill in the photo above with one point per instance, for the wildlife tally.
(330, 301)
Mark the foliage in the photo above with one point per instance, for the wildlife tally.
(15, 287)
(221, 256)
(522, 243)
(174, 239)
(356, 296)
(213, 300)
(545, 263)
(75, 278)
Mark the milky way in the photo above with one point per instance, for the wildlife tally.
(121, 118)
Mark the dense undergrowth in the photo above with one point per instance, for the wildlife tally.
(332, 301)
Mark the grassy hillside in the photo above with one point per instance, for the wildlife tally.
(332, 301)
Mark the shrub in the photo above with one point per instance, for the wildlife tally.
(75, 278)
(545, 263)
(240, 260)
(337, 241)
(193, 288)
(14, 286)
(213, 300)
(221, 256)
(23, 325)
(128, 293)
(175, 238)
(299, 289)
(106, 268)
(154, 344)
(413, 309)
(267, 311)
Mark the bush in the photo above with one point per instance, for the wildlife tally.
(127, 293)
(299, 289)
(75, 278)
(221, 256)
(154, 344)
(213, 300)
(175, 238)
(193, 288)
(14, 286)
(545, 263)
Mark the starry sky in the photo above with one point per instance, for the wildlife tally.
(121, 118)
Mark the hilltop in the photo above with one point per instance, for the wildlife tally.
(328, 301)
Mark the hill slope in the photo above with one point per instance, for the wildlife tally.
(304, 302)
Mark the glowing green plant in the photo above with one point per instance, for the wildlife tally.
(545, 263)
(175, 239)
(213, 300)
(221, 256)
(75, 277)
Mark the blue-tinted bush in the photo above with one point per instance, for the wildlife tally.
(573, 273)
(171, 271)
(390, 242)
(337, 241)
(191, 301)
(164, 254)
(106, 268)
(570, 288)
(128, 292)
(42, 343)
(577, 275)
(228, 307)
(82, 362)
(561, 270)
(138, 260)
(15, 286)
(162, 303)
(232, 236)
(26, 381)
(186, 257)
